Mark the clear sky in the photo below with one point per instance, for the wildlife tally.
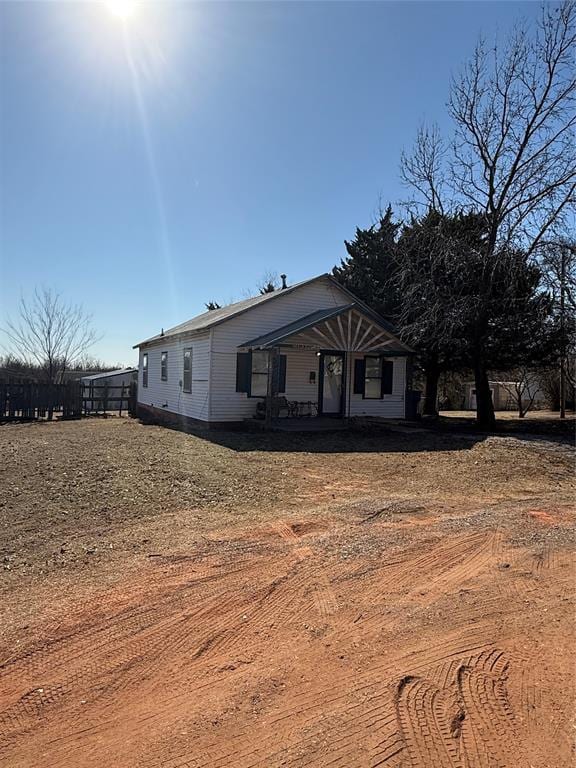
(151, 164)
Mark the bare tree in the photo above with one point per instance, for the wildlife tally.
(514, 155)
(423, 170)
(268, 283)
(522, 389)
(50, 333)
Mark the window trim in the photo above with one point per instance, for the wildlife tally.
(186, 390)
(249, 393)
(375, 378)
(247, 382)
(164, 366)
(145, 370)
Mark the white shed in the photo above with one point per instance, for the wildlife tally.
(102, 391)
(311, 349)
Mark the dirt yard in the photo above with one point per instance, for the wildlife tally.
(394, 600)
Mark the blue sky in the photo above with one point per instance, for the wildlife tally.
(150, 165)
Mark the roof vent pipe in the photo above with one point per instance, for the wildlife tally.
(283, 278)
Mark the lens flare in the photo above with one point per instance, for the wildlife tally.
(123, 9)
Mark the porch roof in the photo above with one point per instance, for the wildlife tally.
(355, 330)
(278, 335)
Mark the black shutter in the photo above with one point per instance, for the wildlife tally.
(387, 376)
(281, 374)
(243, 371)
(359, 376)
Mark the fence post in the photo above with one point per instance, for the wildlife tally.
(133, 398)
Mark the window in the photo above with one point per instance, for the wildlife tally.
(252, 373)
(164, 366)
(187, 377)
(373, 378)
(145, 369)
(259, 375)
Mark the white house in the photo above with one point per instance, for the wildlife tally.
(308, 349)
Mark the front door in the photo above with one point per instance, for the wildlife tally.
(331, 395)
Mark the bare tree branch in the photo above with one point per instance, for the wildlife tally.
(422, 170)
(514, 152)
(50, 333)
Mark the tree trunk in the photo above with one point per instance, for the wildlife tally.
(562, 339)
(519, 405)
(432, 371)
(484, 406)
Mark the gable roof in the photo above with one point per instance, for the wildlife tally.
(317, 319)
(276, 336)
(217, 316)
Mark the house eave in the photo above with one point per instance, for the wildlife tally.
(360, 305)
(218, 321)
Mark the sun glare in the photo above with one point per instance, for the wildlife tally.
(123, 9)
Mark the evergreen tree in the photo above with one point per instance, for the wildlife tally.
(465, 306)
(369, 266)
(268, 287)
(426, 256)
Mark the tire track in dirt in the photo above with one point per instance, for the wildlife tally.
(111, 668)
(458, 716)
(543, 691)
(142, 644)
(489, 732)
(435, 699)
(308, 709)
(323, 595)
(228, 628)
(113, 627)
(430, 722)
(425, 578)
(357, 726)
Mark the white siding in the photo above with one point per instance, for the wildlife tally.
(298, 386)
(168, 395)
(298, 368)
(214, 362)
(390, 406)
(226, 403)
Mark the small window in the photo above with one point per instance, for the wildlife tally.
(259, 377)
(164, 366)
(373, 378)
(187, 377)
(145, 369)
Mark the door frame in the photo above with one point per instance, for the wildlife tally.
(334, 353)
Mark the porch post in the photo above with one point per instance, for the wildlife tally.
(349, 384)
(272, 385)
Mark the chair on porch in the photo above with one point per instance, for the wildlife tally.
(280, 405)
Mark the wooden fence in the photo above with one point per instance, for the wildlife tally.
(102, 398)
(41, 400)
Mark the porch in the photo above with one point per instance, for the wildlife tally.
(301, 424)
(326, 367)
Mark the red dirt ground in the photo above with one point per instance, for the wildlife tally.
(392, 633)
